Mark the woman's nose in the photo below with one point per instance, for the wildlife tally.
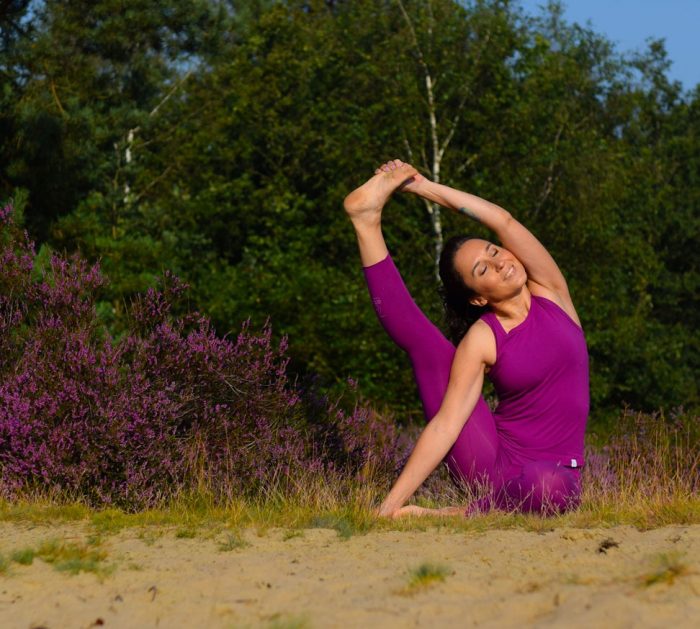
(500, 264)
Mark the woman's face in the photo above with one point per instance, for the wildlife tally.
(492, 272)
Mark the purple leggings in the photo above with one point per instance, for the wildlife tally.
(477, 456)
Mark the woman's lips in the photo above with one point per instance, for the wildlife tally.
(509, 272)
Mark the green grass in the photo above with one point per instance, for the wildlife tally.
(73, 558)
(348, 521)
(291, 622)
(233, 541)
(347, 508)
(424, 576)
(150, 535)
(345, 525)
(40, 511)
(291, 534)
(668, 567)
(64, 556)
(24, 556)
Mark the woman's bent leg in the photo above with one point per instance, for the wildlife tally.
(543, 487)
(474, 454)
(473, 457)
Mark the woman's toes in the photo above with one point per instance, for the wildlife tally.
(387, 167)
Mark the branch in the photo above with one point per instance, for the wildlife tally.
(453, 126)
(170, 93)
(151, 184)
(55, 93)
(421, 59)
(406, 144)
(458, 115)
(424, 157)
(549, 181)
(130, 136)
(467, 162)
(428, 84)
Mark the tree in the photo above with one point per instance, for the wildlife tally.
(218, 141)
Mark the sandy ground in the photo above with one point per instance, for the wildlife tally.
(505, 578)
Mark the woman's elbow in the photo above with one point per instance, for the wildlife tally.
(448, 427)
(507, 220)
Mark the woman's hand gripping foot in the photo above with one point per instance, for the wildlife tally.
(364, 204)
(412, 185)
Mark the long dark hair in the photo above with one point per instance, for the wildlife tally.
(460, 315)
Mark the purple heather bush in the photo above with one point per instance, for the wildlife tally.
(647, 455)
(170, 406)
(173, 407)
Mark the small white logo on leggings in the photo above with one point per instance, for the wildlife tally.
(574, 463)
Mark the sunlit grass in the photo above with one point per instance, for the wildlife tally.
(349, 515)
(424, 576)
(64, 556)
(646, 477)
(233, 541)
(289, 622)
(291, 534)
(668, 567)
(25, 556)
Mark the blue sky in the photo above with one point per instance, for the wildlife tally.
(629, 23)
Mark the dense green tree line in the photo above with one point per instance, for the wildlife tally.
(218, 139)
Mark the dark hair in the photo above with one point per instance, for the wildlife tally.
(460, 315)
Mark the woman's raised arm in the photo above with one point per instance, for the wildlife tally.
(514, 236)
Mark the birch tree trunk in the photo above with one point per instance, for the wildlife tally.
(439, 139)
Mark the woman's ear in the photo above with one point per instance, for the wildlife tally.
(478, 301)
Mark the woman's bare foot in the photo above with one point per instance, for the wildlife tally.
(413, 185)
(364, 204)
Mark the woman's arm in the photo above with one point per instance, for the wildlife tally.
(514, 236)
(475, 350)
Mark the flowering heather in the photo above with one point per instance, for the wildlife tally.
(169, 407)
(647, 458)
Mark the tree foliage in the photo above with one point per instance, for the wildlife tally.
(218, 139)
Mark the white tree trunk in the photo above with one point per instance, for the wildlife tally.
(438, 146)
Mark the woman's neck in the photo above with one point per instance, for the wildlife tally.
(515, 309)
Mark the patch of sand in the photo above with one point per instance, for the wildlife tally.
(498, 578)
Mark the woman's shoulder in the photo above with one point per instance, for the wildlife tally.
(481, 340)
(562, 299)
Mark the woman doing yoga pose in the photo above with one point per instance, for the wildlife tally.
(528, 340)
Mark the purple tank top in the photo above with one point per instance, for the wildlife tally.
(541, 379)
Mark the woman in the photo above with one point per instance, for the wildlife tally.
(528, 340)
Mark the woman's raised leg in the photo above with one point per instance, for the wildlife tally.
(473, 458)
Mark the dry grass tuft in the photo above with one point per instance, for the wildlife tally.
(668, 567)
(424, 576)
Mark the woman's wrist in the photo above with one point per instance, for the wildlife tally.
(389, 505)
(430, 191)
